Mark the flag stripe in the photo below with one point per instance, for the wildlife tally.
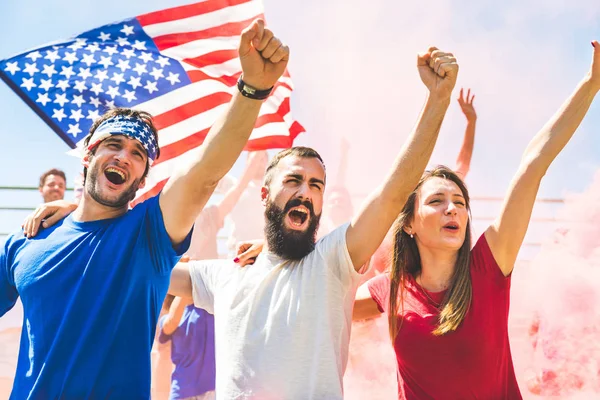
(231, 29)
(241, 12)
(177, 13)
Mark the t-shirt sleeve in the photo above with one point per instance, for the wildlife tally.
(204, 275)
(334, 250)
(379, 287)
(164, 255)
(482, 260)
(8, 290)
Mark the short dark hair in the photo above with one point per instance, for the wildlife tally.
(53, 171)
(298, 151)
(127, 112)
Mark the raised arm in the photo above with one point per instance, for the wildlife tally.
(263, 59)
(173, 318)
(463, 161)
(506, 234)
(255, 162)
(438, 72)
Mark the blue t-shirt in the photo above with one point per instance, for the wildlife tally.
(91, 294)
(192, 353)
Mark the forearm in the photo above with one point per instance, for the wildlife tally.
(463, 161)
(188, 190)
(383, 206)
(557, 132)
(175, 313)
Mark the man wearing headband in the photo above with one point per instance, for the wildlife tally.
(93, 283)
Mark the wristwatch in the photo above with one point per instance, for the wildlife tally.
(252, 93)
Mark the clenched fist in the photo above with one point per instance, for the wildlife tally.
(438, 71)
(262, 55)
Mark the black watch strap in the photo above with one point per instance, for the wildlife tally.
(252, 93)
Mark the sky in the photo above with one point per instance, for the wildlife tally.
(353, 65)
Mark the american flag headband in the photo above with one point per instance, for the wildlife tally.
(128, 126)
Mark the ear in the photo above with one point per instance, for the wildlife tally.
(85, 161)
(142, 184)
(408, 229)
(264, 195)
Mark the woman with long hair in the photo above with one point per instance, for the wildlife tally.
(447, 303)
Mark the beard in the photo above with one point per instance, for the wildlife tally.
(121, 201)
(287, 243)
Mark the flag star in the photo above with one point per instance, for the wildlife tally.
(113, 91)
(61, 99)
(122, 41)
(139, 45)
(74, 128)
(134, 82)
(34, 55)
(48, 70)
(79, 43)
(43, 98)
(78, 99)
(128, 53)
(109, 104)
(104, 36)
(92, 48)
(88, 59)
(59, 114)
(97, 88)
(146, 56)
(80, 86)
(130, 95)
(127, 30)
(76, 115)
(157, 73)
(52, 55)
(93, 115)
(95, 101)
(67, 72)
(46, 84)
(71, 57)
(163, 61)
(106, 62)
(84, 73)
(101, 75)
(117, 78)
(111, 50)
(31, 69)
(63, 84)
(123, 65)
(173, 78)
(28, 84)
(140, 68)
(12, 67)
(150, 87)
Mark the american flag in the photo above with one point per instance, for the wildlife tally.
(179, 64)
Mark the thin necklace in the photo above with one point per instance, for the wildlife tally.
(435, 303)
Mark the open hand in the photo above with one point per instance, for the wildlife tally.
(466, 105)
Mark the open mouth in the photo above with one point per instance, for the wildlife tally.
(298, 216)
(451, 226)
(114, 175)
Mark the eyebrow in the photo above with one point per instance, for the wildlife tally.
(120, 139)
(442, 194)
(300, 178)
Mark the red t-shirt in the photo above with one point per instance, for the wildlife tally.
(473, 362)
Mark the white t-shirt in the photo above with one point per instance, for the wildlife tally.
(282, 328)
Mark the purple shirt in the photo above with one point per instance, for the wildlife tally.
(192, 353)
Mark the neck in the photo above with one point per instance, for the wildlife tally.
(437, 268)
(90, 210)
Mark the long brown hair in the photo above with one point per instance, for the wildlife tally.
(406, 261)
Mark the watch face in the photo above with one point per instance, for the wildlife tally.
(249, 90)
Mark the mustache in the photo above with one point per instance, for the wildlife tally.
(297, 202)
